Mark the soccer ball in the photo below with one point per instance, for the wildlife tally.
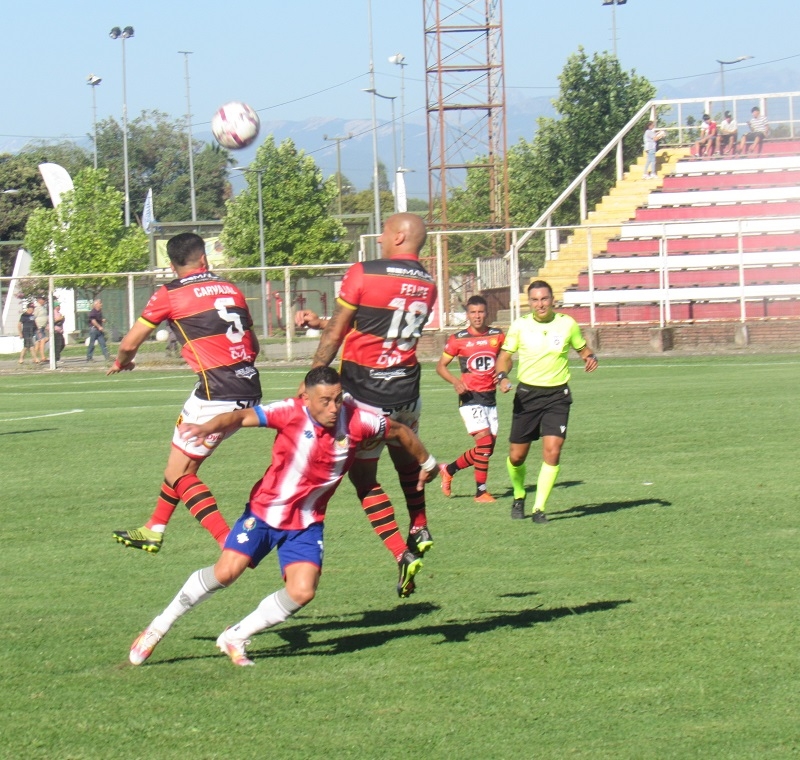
(235, 125)
(162, 336)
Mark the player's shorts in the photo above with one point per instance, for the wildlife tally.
(197, 411)
(407, 414)
(479, 417)
(539, 412)
(254, 538)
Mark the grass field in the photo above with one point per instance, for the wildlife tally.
(656, 616)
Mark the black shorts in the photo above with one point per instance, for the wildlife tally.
(754, 137)
(539, 412)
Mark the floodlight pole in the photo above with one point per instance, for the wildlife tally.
(93, 80)
(124, 34)
(722, 65)
(186, 54)
(376, 193)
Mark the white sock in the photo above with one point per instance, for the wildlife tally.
(274, 609)
(200, 586)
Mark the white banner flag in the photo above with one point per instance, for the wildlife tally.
(57, 180)
(400, 190)
(148, 219)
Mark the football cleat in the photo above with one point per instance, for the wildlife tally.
(419, 541)
(518, 509)
(409, 564)
(540, 517)
(485, 498)
(447, 479)
(140, 538)
(235, 650)
(144, 644)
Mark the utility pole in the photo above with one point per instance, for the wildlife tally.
(338, 141)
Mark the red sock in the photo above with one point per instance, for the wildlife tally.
(202, 506)
(415, 500)
(165, 506)
(483, 450)
(380, 513)
(467, 459)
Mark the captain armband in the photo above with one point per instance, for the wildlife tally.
(261, 414)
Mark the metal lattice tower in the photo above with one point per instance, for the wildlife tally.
(465, 101)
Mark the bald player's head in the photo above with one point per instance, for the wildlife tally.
(402, 234)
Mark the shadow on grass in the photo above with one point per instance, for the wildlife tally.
(24, 432)
(608, 506)
(298, 637)
(509, 492)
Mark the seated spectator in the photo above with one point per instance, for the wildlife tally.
(708, 136)
(759, 129)
(727, 133)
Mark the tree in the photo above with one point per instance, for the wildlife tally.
(596, 99)
(296, 201)
(158, 158)
(22, 189)
(85, 234)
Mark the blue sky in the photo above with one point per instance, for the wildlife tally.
(309, 58)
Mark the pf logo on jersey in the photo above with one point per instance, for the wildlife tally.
(481, 362)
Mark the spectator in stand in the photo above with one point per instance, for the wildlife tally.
(708, 136)
(27, 331)
(727, 133)
(651, 139)
(759, 129)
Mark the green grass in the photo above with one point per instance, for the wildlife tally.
(655, 617)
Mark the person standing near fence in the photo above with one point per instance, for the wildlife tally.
(210, 317)
(58, 330)
(476, 348)
(27, 331)
(42, 317)
(543, 398)
(97, 330)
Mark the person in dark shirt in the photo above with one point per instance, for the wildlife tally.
(27, 331)
(97, 330)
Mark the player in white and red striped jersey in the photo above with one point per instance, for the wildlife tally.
(379, 315)
(210, 317)
(315, 446)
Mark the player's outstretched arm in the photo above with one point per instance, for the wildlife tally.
(409, 440)
(128, 347)
(308, 318)
(333, 335)
(226, 423)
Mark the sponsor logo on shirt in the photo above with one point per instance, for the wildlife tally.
(246, 372)
(250, 523)
(242, 538)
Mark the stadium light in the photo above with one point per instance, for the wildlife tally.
(394, 131)
(400, 60)
(124, 34)
(722, 65)
(614, 4)
(262, 258)
(186, 54)
(376, 193)
(93, 80)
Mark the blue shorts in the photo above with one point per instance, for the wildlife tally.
(252, 537)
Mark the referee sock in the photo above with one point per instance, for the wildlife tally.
(380, 513)
(517, 475)
(165, 506)
(545, 483)
(273, 609)
(201, 585)
(202, 506)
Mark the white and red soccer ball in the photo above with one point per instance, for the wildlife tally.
(235, 125)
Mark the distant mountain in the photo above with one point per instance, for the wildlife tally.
(521, 116)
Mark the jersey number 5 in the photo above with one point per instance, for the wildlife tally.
(235, 332)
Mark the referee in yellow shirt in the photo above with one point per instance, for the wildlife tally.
(542, 400)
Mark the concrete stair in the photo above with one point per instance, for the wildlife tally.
(615, 208)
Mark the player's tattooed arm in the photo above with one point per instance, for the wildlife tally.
(333, 335)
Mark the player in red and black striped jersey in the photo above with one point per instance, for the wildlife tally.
(210, 318)
(379, 315)
(476, 347)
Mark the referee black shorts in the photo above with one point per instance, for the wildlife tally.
(539, 411)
